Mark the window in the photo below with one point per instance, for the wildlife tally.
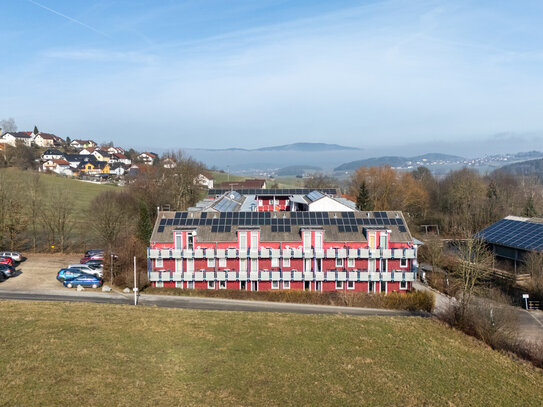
(286, 262)
(403, 285)
(318, 240)
(254, 264)
(210, 262)
(286, 285)
(254, 240)
(371, 287)
(222, 262)
(383, 286)
(190, 284)
(275, 285)
(211, 285)
(190, 241)
(159, 263)
(307, 240)
(243, 241)
(350, 285)
(275, 262)
(350, 263)
(242, 264)
(339, 262)
(339, 285)
(222, 285)
(403, 263)
(178, 241)
(190, 265)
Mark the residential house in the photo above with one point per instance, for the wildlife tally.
(116, 150)
(52, 154)
(87, 151)
(83, 143)
(15, 137)
(119, 158)
(117, 169)
(147, 158)
(76, 159)
(101, 155)
(47, 140)
(169, 162)
(58, 166)
(94, 168)
(230, 245)
(205, 179)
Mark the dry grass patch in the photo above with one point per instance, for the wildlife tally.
(92, 354)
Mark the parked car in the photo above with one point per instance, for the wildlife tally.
(6, 260)
(86, 269)
(92, 252)
(68, 274)
(84, 280)
(95, 263)
(98, 256)
(6, 271)
(15, 256)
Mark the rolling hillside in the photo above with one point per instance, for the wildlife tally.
(397, 161)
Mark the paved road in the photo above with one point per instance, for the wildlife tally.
(195, 303)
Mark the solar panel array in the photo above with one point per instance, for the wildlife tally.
(279, 221)
(314, 195)
(514, 233)
(276, 191)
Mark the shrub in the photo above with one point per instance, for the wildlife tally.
(410, 301)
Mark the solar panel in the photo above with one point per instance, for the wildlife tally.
(514, 233)
(313, 196)
(402, 229)
(162, 222)
(160, 229)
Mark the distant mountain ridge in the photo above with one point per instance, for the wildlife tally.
(301, 147)
(397, 161)
(527, 168)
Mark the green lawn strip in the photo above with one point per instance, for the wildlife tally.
(90, 354)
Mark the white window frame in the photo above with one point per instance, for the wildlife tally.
(350, 285)
(254, 240)
(403, 285)
(222, 262)
(286, 285)
(275, 262)
(242, 264)
(254, 264)
(339, 285)
(211, 285)
(351, 262)
(403, 263)
(190, 240)
(286, 262)
(339, 262)
(222, 285)
(211, 262)
(190, 284)
(318, 240)
(275, 285)
(243, 241)
(307, 240)
(179, 239)
(159, 263)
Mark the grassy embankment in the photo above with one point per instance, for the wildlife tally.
(90, 354)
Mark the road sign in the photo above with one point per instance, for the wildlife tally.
(525, 295)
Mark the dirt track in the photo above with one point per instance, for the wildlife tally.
(39, 272)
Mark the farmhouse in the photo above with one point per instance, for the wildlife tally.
(240, 241)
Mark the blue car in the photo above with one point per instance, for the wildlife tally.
(68, 274)
(84, 280)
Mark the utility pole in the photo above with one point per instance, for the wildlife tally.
(135, 285)
(111, 268)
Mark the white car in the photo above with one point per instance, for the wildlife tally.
(15, 256)
(86, 269)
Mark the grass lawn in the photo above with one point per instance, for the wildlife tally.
(90, 354)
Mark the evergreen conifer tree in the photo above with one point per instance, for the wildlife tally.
(363, 200)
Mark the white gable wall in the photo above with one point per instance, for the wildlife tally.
(327, 204)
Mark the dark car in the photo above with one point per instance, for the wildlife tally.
(6, 271)
(84, 280)
(91, 252)
(95, 264)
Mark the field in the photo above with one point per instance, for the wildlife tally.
(90, 354)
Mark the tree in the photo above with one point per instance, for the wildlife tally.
(8, 125)
(112, 215)
(13, 216)
(34, 203)
(144, 228)
(363, 200)
(57, 216)
(529, 209)
(318, 181)
(35, 130)
(473, 265)
(533, 265)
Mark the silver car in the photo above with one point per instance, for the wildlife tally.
(86, 269)
(15, 256)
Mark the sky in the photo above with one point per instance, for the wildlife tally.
(217, 73)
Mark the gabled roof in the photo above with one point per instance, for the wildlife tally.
(18, 134)
(152, 155)
(59, 161)
(53, 151)
(48, 136)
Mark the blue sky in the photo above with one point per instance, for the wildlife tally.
(212, 74)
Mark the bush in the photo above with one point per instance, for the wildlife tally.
(410, 301)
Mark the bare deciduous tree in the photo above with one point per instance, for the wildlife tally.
(8, 125)
(58, 216)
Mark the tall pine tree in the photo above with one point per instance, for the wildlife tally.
(145, 227)
(363, 200)
(529, 208)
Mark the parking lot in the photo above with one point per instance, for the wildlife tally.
(39, 272)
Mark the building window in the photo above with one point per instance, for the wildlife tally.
(210, 262)
(286, 262)
(371, 286)
(286, 285)
(350, 285)
(190, 284)
(350, 263)
(211, 285)
(339, 285)
(222, 285)
(339, 262)
(403, 285)
(222, 262)
(275, 285)
(190, 241)
(275, 262)
(403, 263)
(159, 263)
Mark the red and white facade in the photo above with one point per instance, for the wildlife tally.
(316, 256)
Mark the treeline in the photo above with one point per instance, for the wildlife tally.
(460, 204)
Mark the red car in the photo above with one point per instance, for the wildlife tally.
(6, 260)
(95, 257)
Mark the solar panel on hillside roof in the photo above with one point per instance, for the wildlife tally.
(160, 229)
(514, 233)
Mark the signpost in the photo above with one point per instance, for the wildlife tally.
(135, 289)
(526, 296)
